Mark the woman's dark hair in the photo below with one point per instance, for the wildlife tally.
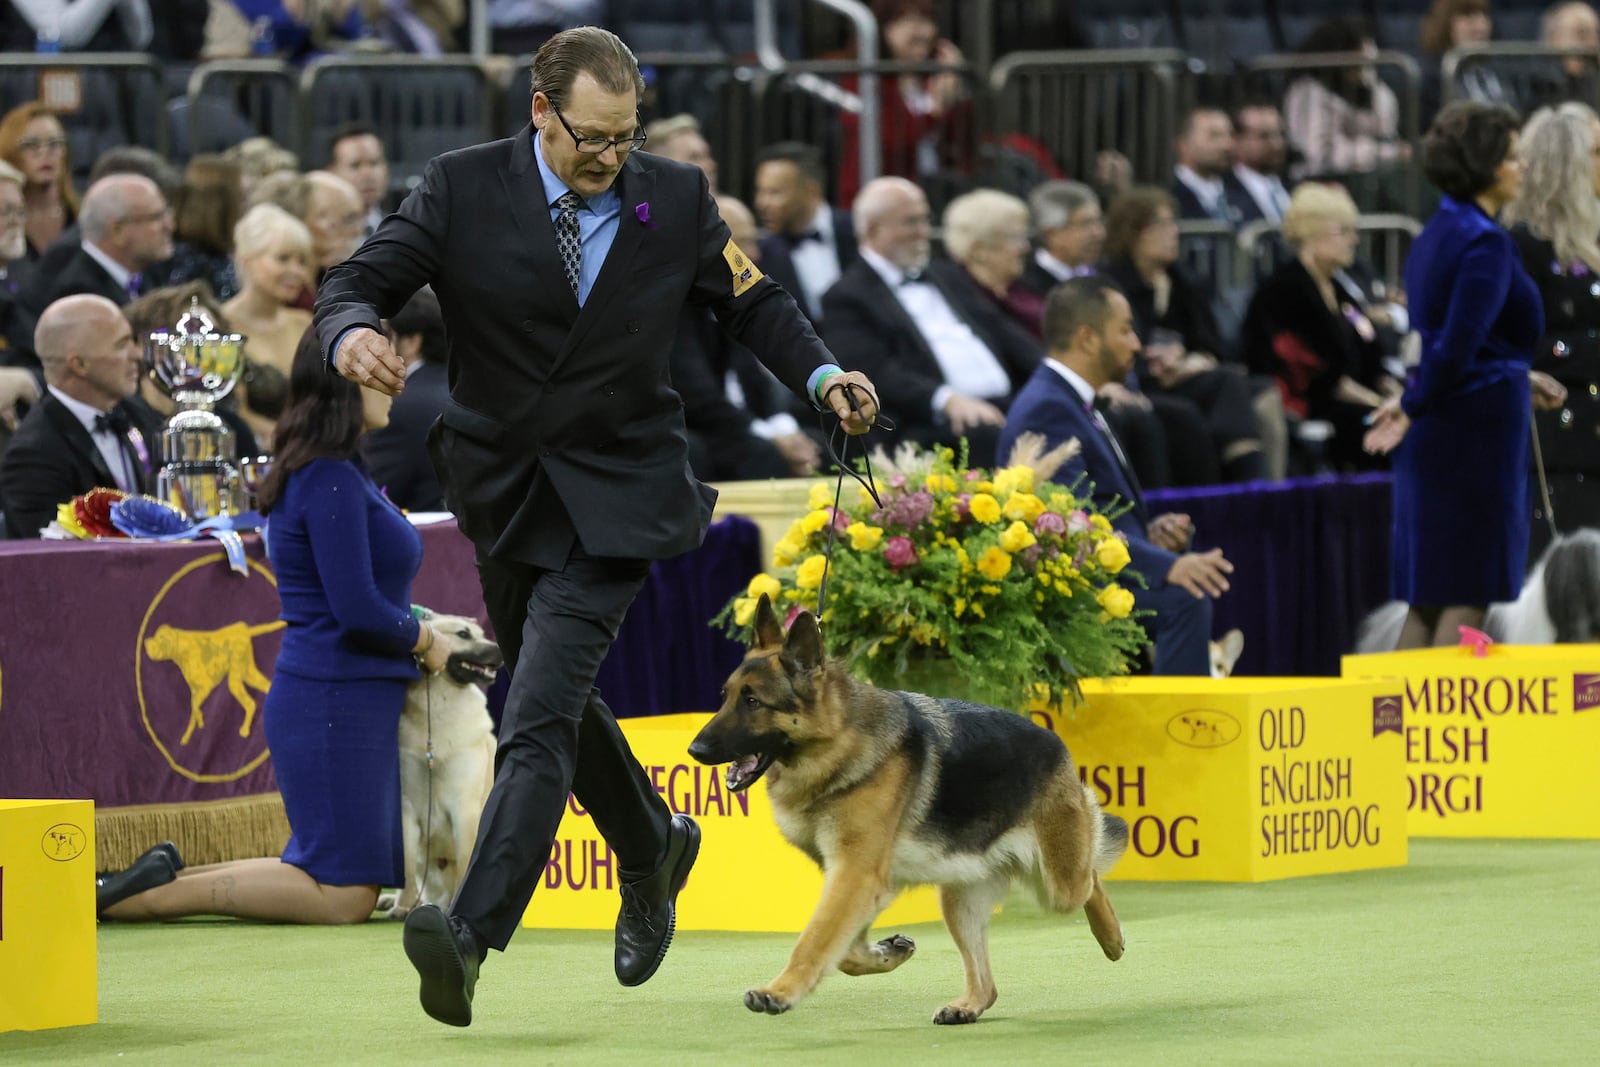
(209, 204)
(1342, 33)
(323, 419)
(1130, 215)
(422, 317)
(1466, 145)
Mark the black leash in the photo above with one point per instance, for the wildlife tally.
(869, 483)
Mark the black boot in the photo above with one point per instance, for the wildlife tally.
(649, 906)
(156, 867)
(446, 954)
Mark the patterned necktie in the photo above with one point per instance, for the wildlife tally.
(567, 240)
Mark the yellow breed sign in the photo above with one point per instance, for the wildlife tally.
(1242, 779)
(1502, 745)
(47, 919)
(747, 877)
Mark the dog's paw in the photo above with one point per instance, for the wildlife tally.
(951, 1015)
(897, 947)
(1114, 949)
(764, 1000)
(387, 902)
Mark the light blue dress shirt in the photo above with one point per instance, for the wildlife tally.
(597, 221)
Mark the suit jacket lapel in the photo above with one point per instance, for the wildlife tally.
(907, 326)
(78, 439)
(634, 185)
(525, 189)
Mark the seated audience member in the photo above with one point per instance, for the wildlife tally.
(272, 253)
(740, 422)
(299, 32)
(1142, 260)
(679, 137)
(345, 559)
(126, 228)
(122, 159)
(421, 27)
(1305, 333)
(923, 335)
(356, 154)
(33, 140)
(1089, 327)
(335, 215)
(16, 325)
(1571, 26)
(1203, 183)
(209, 205)
(160, 309)
(1450, 24)
(76, 25)
(809, 242)
(1343, 120)
(259, 158)
(397, 454)
(1261, 159)
(1072, 233)
(85, 432)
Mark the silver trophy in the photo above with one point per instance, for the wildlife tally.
(196, 367)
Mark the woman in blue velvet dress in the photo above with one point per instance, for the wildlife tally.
(1460, 431)
(344, 558)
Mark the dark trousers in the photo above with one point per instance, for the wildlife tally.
(1181, 629)
(556, 736)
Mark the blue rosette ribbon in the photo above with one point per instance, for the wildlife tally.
(145, 518)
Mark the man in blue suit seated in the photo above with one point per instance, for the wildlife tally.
(1088, 325)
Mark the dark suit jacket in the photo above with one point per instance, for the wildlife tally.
(702, 355)
(777, 259)
(80, 274)
(397, 455)
(1241, 206)
(1049, 405)
(552, 407)
(52, 459)
(868, 326)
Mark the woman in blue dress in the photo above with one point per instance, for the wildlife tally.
(344, 558)
(1460, 431)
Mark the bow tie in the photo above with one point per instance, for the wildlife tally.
(797, 239)
(114, 421)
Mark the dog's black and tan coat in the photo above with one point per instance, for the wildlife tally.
(886, 789)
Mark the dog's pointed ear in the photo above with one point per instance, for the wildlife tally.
(769, 631)
(802, 652)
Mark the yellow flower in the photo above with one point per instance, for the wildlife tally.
(989, 590)
(942, 483)
(764, 583)
(1116, 601)
(744, 610)
(924, 634)
(821, 496)
(1112, 554)
(1017, 537)
(864, 538)
(1063, 588)
(1018, 479)
(963, 560)
(994, 564)
(815, 521)
(1024, 506)
(983, 487)
(984, 508)
(809, 576)
(1101, 523)
(977, 609)
(1061, 503)
(960, 606)
(787, 551)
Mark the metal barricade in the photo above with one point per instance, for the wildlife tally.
(1525, 76)
(674, 83)
(103, 100)
(1384, 242)
(1079, 104)
(262, 94)
(1207, 251)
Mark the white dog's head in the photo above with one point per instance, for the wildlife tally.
(474, 659)
(1225, 653)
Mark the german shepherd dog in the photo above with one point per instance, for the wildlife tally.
(885, 789)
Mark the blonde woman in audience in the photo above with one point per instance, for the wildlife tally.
(259, 158)
(986, 231)
(272, 252)
(33, 140)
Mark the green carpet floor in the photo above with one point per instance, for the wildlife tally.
(1479, 952)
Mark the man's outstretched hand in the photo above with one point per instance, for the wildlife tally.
(839, 390)
(366, 357)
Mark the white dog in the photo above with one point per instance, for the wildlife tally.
(442, 799)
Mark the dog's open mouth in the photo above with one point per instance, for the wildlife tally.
(744, 772)
(469, 672)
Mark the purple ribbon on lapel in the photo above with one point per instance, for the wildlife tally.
(643, 214)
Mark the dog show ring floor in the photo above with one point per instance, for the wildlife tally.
(1477, 952)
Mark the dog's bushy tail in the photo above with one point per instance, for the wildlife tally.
(1380, 631)
(1110, 843)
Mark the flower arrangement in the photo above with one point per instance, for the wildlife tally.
(1004, 587)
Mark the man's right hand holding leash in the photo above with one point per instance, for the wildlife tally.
(838, 392)
(366, 357)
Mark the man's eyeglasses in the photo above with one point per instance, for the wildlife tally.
(46, 144)
(12, 214)
(593, 146)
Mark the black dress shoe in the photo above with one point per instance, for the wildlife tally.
(150, 870)
(446, 955)
(649, 906)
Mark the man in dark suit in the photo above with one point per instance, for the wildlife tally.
(85, 432)
(809, 243)
(397, 455)
(562, 259)
(1072, 234)
(942, 351)
(1089, 327)
(1203, 182)
(127, 227)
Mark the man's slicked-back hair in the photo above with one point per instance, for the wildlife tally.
(1074, 304)
(585, 50)
(807, 159)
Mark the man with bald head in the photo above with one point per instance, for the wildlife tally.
(87, 431)
(126, 227)
(923, 330)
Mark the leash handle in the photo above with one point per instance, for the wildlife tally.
(1544, 482)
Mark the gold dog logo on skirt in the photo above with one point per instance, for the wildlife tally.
(198, 677)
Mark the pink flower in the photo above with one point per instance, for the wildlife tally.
(898, 481)
(1049, 523)
(841, 521)
(974, 476)
(1078, 522)
(963, 507)
(899, 552)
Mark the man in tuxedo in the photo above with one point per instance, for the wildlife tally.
(562, 259)
(1072, 233)
(941, 349)
(397, 455)
(85, 432)
(126, 226)
(1261, 158)
(1203, 183)
(355, 153)
(809, 242)
(1089, 327)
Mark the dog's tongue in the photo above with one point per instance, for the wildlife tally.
(741, 770)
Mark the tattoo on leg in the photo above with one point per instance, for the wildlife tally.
(222, 891)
